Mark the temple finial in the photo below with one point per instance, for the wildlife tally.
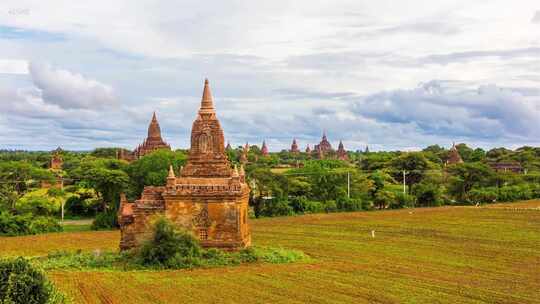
(207, 103)
(171, 172)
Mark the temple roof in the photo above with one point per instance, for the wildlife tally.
(207, 102)
(207, 156)
(453, 156)
(154, 131)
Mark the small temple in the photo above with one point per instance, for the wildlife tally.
(294, 147)
(207, 196)
(264, 149)
(57, 162)
(341, 152)
(55, 166)
(453, 156)
(152, 143)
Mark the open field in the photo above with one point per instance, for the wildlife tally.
(438, 255)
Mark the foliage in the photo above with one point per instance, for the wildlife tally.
(427, 194)
(105, 221)
(483, 195)
(170, 247)
(42, 202)
(415, 165)
(383, 198)
(26, 224)
(152, 169)
(83, 202)
(466, 176)
(403, 200)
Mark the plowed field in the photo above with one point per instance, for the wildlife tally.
(436, 255)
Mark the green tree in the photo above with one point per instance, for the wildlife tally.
(18, 177)
(152, 169)
(415, 165)
(466, 176)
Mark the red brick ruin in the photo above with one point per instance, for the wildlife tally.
(152, 143)
(341, 153)
(453, 156)
(294, 147)
(208, 197)
(264, 149)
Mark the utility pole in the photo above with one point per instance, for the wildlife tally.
(404, 184)
(349, 184)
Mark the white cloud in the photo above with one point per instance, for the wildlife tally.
(13, 66)
(70, 90)
(536, 18)
(278, 69)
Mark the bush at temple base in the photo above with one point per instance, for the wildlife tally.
(22, 283)
(170, 247)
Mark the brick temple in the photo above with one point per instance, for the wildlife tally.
(152, 143)
(208, 197)
(264, 149)
(453, 156)
(341, 152)
(294, 147)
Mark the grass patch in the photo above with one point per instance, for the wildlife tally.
(76, 228)
(109, 260)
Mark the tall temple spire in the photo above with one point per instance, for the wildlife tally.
(207, 103)
(264, 148)
(207, 153)
(154, 131)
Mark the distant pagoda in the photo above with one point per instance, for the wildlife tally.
(341, 153)
(264, 149)
(294, 147)
(324, 146)
(152, 143)
(453, 156)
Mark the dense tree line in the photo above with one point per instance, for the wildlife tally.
(282, 183)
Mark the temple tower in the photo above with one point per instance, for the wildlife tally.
(207, 197)
(341, 152)
(453, 156)
(294, 147)
(264, 149)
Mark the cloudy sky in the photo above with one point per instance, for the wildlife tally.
(390, 74)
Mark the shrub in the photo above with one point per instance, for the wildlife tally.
(349, 204)
(276, 207)
(403, 200)
(383, 198)
(314, 207)
(22, 283)
(515, 193)
(330, 206)
(299, 204)
(170, 247)
(105, 221)
(427, 194)
(12, 225)
(483, 196)
(83, 203)
(44, 224)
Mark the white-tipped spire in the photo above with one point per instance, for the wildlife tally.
(235, 171)
(171, 172)
(242, 171)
